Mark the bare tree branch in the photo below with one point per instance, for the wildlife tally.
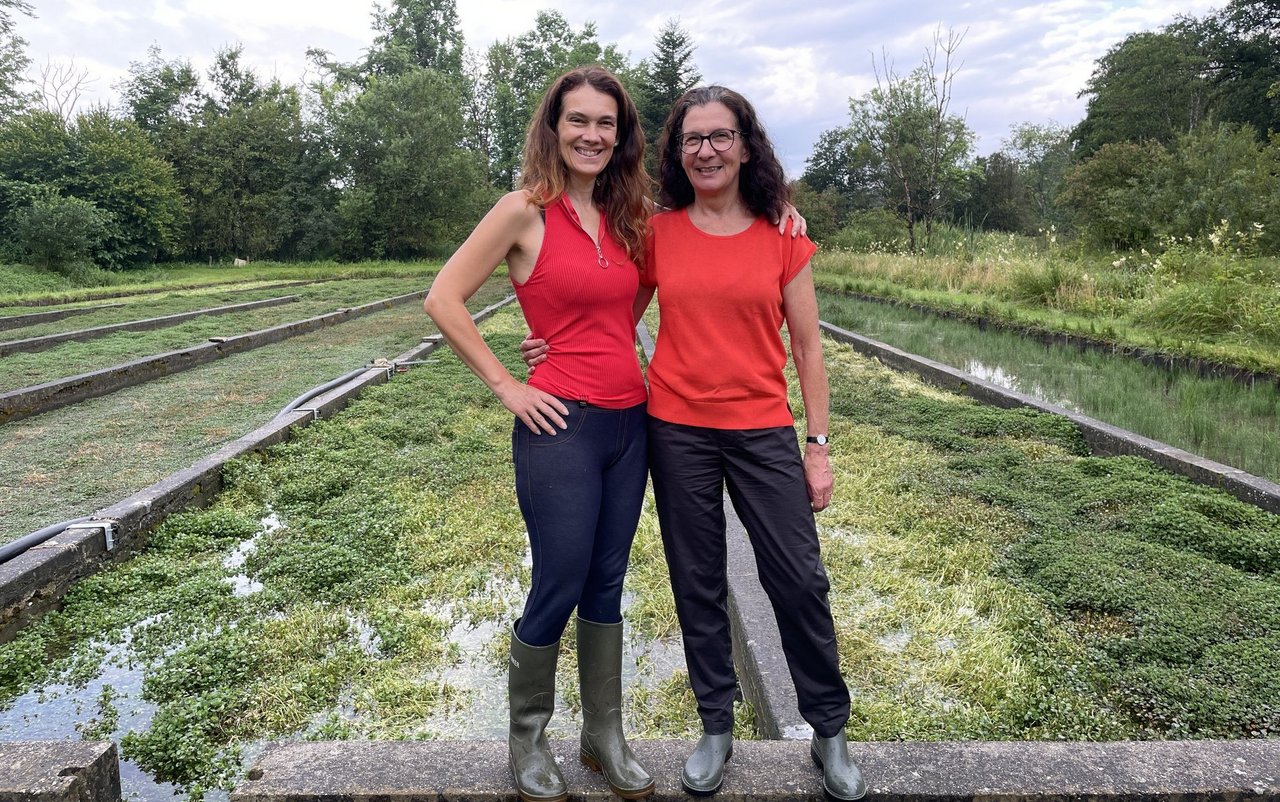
(61, 85)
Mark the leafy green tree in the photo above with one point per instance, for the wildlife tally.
(824, 211)
(162, 97)
(849, 167)
(1111, 195)
(662, 79)
(997, 196)
(1150, 86)
(519, 70)
(33, 147)
(239, 173)
(106, 162)
(409, 188)
(416, 33)
(118, 169)
(1222, 173)
(1242, 42)
(255, 176)
(58, 233)
(906, 124)
(1042, 155)
(13, 60)
(231, 84)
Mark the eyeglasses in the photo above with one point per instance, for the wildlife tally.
(721, 140)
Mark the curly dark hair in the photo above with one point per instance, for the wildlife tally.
(761, 180)
(622, 189)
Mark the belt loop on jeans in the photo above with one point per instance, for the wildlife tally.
(582, 403)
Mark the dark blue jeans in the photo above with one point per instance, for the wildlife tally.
(580, 493)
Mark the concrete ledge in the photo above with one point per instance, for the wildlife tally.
(35, 581)
(757, 647)
(1147, 356)
(28, 401)
(226, 286)
(18, 321)
(477, 771)
(1103, 438)
(59, 771)
(35, 344)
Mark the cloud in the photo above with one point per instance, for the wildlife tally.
(798, 62)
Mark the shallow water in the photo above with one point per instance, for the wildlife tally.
(1221, 419)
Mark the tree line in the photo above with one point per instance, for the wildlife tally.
(395, 155)
(1179, 141)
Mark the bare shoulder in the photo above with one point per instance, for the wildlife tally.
(515, 207)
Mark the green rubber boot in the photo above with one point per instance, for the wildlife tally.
(604, 749)
(531, 690)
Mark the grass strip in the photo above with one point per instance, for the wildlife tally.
(77, 459)
(33, 287)
(74, 358)
(43, 343)
(992, 580)
(364, 549)
(21, 320)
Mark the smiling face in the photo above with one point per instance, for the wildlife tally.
(710, 171)
(588, 131)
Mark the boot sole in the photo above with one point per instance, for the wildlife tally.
(531, 798)
(817, 761)
(705, 791)
(590, 762)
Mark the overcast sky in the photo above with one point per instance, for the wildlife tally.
(799, 62)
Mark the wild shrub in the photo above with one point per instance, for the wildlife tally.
(871, 231)
(59, 233)
(1044, 283)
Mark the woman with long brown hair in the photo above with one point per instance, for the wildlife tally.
(573, 239)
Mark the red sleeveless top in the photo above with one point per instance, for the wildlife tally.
(580, 301)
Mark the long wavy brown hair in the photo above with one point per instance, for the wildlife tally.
(622, 188)
(761, 181)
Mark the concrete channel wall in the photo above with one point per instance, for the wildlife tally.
(1103, 438)
(59, 771)
(774, 771)
(1147, 356)
(35, 344)
(768, 771)
(778, 768)
(28, 401)
(36, 580)
(18, 321)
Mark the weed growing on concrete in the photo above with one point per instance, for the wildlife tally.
(390, 527)
(1005, 584)
(77, 459)
(1219, 418)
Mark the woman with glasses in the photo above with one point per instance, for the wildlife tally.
(718, 415)
(573, 238)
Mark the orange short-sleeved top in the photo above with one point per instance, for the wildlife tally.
(720, 356)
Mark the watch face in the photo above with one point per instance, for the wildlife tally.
(820, 439)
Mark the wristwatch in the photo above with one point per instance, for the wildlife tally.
(820, 439)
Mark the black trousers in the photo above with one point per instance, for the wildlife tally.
(690, 466)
